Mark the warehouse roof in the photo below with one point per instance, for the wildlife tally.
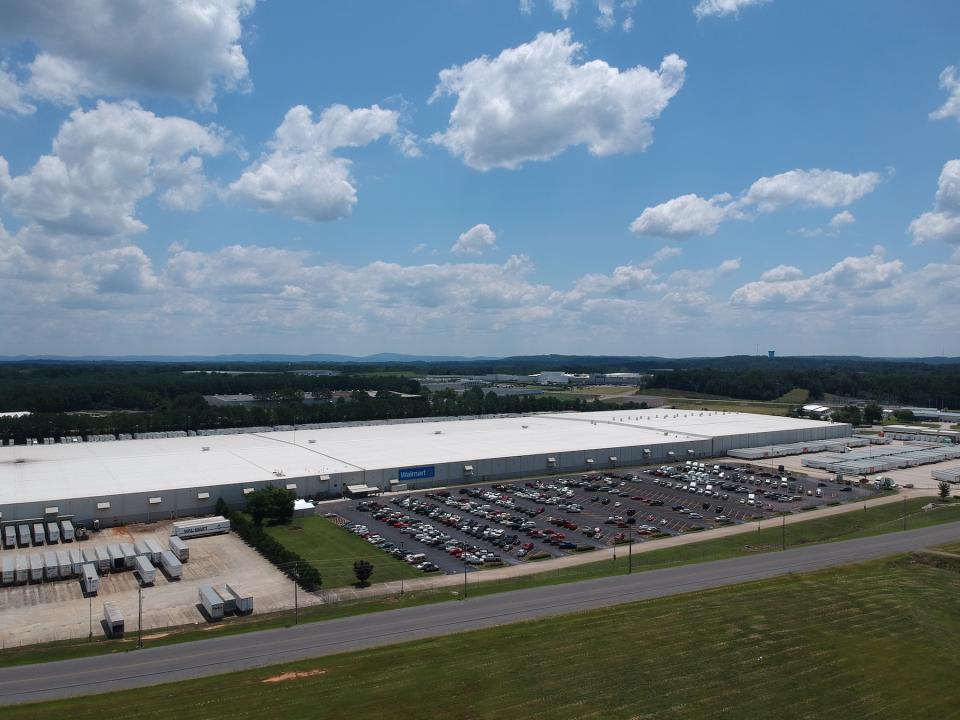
(39, 472)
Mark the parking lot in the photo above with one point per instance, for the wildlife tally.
(490, 524)
(58, 610)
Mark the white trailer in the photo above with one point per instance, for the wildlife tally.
(21, 569)
(103, 559)
(23, 535)
(53, 532)
(76, 562)
(51, 568)
(9, 574)
(171, 565)
(243, 599)
(63, 560)
(39, 534)
(36, 567)
(129, 555)
(9, 537)
(113, 620)
(117, 560)
(154, 550)
(141, 547)
(145, 570)
(199, 527)
(229, 601)
(179, 548)
(90, 579)
(66, 530)
(211, 602)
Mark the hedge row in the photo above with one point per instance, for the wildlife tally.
(276, 552)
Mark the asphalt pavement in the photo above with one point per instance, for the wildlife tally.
(152, 666)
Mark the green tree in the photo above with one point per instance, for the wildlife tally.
(363, 570)
(872, 414)
(848, 414)
(271, 503)
(221, 508)
(943, 488)
(904, 415)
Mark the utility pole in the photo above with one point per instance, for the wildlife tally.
(464, 577)
(783, 532)
(296, 599)
(904, 513)
(140, 616)
(90, 635)
(402, 554)
(630, 551)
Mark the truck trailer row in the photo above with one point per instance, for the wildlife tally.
(143, 557)
(39, 533)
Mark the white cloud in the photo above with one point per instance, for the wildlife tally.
(475, 241)
(842, 219)
(534, 101)
(782, 272)
(837, 223)
(850, 276)
(526, 6)
(813, 188)
(719, 8)
(92, 48)
(13, 101)
(606, 18)
(944, 222)
(564, 7)
(693, 215)
(951, 83)
(683, 216)
(104, 161)
(301, 177)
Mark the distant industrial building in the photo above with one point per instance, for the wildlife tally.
(929, 414)
(142, 480)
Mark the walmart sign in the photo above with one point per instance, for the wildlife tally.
(417, 473)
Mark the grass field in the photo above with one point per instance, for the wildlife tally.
(871, 641)
(797, 396)
(333, 551)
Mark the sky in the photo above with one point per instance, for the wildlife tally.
(480, 177)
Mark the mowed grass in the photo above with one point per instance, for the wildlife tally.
(333, 551)
(870, 641)
(797, 396)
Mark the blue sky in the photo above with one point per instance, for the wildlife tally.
(663, 177)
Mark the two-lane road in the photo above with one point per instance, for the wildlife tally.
(170, 663)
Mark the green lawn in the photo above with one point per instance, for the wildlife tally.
(797, 396)
(333, 551)
(876, 521)
(871, 641)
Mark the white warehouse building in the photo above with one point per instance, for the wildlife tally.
(142, 480)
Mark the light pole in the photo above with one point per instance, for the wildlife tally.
(296, 598)
(783, 531)
(402, 554)
(630, 551)
(90, 635)
(140, 616)
(904, 513)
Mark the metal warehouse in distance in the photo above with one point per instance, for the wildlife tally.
(142, 480)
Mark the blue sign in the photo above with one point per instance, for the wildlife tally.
(417, 473)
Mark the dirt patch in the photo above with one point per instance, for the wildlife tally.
(156, 636)
(283, 677)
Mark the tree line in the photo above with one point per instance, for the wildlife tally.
(924, 385)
